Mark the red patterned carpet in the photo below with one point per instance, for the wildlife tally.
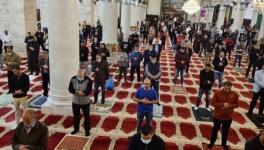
(177, 126)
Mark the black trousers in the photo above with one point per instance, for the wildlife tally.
(9, 75)
(256, 96)
(96, 87)
(225, 129)
(45, 83)
(76, 116)
(33, 62)
(132, 71)
(122, 70)
(249, 67)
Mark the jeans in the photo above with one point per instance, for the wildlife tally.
(76, 116)
(96, 87)
(155, 86)
(239, 60)
(219, 76)
(225, 129)
(132, 70)
(200, 94)
(140, 117)
(181, 73)
(256, 96)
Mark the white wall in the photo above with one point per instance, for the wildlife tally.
(154, 7)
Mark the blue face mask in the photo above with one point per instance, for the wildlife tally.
(30, 125)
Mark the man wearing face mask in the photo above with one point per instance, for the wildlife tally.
(145, 97)
(258, 91)
(80, 87)
(146, 140)
(101, 71)
(219, 66)
(224, 102)
(30, 134)
(11, 59)
(256, 143)
(153, 72)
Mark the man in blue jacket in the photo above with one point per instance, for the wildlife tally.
(135, 57)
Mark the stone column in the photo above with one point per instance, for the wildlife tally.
(63, 45)
(43, 13)
(238, 18)
(261, 31)
(154, 7)
(254, 18)
(125, 20)
(19, 17)
(86, 11)
(221, 17)
(136, 15)
(108, 16)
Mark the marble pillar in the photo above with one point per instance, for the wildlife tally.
(135, 16)
(18, 17)
(125, 20)
(86, 8)
(238, 19)
(109, 21)
(43, 13)
(221, 17)
(254, 18)
(261, 31)
(63, 52)
(154, 7)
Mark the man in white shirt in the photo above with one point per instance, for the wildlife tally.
(258, 91)
(7, 40)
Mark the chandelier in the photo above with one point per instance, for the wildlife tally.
(191, 7)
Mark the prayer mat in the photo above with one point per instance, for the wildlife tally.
(202, 114)
(102, 108)
(37, 101)
(73, 142)
(257, 119)
(215, 147)
(178, 90)
(6, 99)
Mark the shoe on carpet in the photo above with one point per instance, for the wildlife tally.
(208, 109)
(74, 132)
(196, 108)
(87, 134)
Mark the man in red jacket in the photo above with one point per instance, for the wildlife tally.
(181, 59)
(224, 101)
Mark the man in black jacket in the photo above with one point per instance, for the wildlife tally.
(206, 83)
(40, 38)
(33, 57)
(101, 71)
(84, 57)
(44, 65)
(253, 57)
(30, 134)
(19, 86)
(256, 143)
(219, 66)
(146, 140)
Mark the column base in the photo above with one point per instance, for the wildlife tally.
(57, 107)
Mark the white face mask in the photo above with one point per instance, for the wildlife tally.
(145, 141)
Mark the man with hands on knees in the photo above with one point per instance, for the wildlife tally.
(145, 97)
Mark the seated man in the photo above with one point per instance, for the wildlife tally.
(256, 142)
(30, 134)
(146, 140)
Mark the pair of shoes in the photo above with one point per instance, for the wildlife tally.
(208, 109)
(196, 108)
(74, 131)
(87, 134)
(102, 102)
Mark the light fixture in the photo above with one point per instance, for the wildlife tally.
(191, 7)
